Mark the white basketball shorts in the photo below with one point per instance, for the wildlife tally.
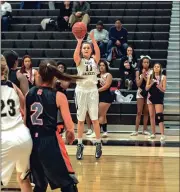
(16, 146)
(87, 101)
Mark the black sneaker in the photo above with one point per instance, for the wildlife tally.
(79, 153)
(98, 150)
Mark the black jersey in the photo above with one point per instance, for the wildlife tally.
(156, 96)
(104, 96)
(41, 110)
(13, 77)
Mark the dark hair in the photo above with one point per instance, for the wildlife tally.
(11, 57)
(118, 20)
(160, 73)
(140, 64)
(23, 68)
(48, 70)
(63, 64)
(105, 63)
(100, 23)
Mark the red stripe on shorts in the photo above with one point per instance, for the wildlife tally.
(64, 153)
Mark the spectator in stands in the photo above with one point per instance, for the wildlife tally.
(30, 5)
(51, 5)
(101, 36)
(30, 73)
(17, 78)
(141, 78)
(127, 74)
(6, 16)
(63, 18)
(129, 66)
(80, 12)
(131, 56)
(62, 85)
(118, 40)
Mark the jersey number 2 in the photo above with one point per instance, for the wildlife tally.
(37, 108)
(11, 104)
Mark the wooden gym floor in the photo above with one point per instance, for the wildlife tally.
(125, 168)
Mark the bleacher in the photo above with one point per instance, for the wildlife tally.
(148, 25)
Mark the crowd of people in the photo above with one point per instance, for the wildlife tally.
(41, 97)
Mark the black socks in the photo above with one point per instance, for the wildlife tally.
(104, 127)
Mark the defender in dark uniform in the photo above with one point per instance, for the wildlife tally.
(156, 86)
(14, 76)
(49, 161)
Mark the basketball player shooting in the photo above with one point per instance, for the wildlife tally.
(86, 91)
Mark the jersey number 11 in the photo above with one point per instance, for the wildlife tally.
(88, 67)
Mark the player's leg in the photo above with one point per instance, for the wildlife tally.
(8, 157)
(81, 105)
(22, 165)
(145, 117)
(152, 120)
(140, 104)
(88, 122)
(160, 119)
(103, 108)
(93, 103)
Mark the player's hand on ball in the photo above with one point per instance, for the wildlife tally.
(80, 40)
(70, 137)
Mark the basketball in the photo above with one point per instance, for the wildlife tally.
(79, 30)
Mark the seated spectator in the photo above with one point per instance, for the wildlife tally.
(131, 57)
(30, 5)
(30, 73)
(118, 40)
(63, 18)
(80, 12)
(6, 16)
(101, 36)
(127, 74)
(51, 5)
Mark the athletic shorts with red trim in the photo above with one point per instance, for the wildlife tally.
(50, 162)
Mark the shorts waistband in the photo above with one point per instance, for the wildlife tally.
(93, 88)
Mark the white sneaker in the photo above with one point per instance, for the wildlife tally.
(135, 133)
(152, 136)
(163, 138)
(89, 132)
(93, 135)
(146, 133)
(32, 185)
(105, 135)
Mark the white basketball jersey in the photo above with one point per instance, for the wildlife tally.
(87, 69)
(10, 106)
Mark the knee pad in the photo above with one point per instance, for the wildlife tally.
(70, 188)
(159, 117)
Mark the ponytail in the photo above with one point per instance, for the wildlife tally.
(48, 70)
(4, 68)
